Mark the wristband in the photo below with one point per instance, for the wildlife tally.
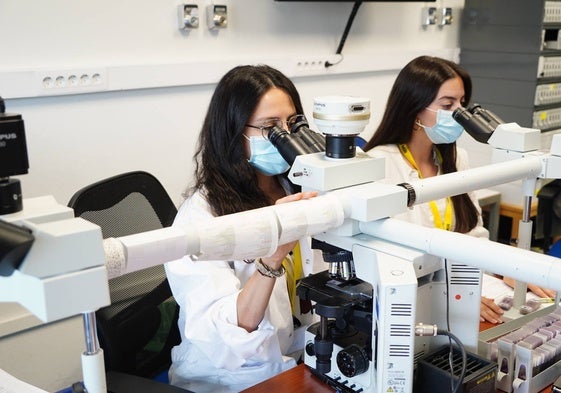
(267, 271)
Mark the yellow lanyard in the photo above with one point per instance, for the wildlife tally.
(447, 224)
(294, 271)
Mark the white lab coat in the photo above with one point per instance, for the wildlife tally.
(399, 171)
(216, 355)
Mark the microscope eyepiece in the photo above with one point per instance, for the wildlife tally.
(315, 141)
(487, 115)
(289, 145)
(298, 121)
(478, 122)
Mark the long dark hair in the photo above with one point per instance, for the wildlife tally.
(222, 172)
(415, 88)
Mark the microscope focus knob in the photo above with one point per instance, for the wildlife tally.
(310, 350)
(352, 361)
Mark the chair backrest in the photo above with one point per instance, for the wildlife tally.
(139, 328)
(548, 218)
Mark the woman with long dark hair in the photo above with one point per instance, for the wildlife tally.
(417, 136)
(238, 318)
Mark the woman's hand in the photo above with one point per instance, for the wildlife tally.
(539, 291)
(490, 311)
(296, 197)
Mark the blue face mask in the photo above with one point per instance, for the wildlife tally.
(265, 157)
(446, 129)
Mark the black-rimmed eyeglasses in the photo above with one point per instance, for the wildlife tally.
(268, 124)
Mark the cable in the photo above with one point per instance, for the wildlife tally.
(354, 11)
(441, 332)
(450, 354)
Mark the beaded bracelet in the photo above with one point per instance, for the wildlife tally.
(266, 271)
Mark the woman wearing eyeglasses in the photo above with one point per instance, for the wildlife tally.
(236, 317)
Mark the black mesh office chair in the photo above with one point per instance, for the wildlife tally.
(139, 328)
(548, 218)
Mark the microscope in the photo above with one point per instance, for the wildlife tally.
(386, 280)
(13, 159)
(46, 253)
(383, 273)
(368, 298)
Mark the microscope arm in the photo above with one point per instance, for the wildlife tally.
(249, 234)
(432, 188)
(520, 264)
(366, 205)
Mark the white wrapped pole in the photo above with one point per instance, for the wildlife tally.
(436, 187)
(248, 234)
(509, 261)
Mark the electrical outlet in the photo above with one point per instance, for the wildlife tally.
(188, 16)
(216, 16)
(446, 16)
(429, 16)
(71, 81)
(310, 65)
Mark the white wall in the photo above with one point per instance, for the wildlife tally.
(74, 140)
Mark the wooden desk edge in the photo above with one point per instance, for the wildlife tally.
(297, 379)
